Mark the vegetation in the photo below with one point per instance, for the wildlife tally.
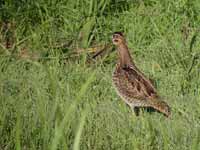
(59, 102)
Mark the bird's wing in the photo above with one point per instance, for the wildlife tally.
(138, 85)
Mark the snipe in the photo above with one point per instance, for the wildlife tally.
(131, 84)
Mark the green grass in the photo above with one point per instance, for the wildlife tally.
(69, 104)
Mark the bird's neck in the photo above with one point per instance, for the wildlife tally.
(124, 56)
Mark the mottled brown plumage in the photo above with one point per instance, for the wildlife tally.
(131, 84)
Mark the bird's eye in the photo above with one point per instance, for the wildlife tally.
(115, 36)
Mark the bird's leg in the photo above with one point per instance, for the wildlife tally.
(136, 110)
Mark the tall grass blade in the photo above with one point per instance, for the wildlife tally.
(77, 139)
(59, 129)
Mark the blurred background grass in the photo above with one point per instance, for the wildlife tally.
(58, 102)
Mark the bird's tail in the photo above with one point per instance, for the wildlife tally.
(161, 106)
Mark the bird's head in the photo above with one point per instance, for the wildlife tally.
(118, 38)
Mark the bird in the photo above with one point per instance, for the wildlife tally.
(134, 88)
